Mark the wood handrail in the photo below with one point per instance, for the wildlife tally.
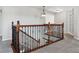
(41, 25)
(48, 28)
(29, 36)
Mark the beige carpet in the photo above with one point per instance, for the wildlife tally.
(68, 45)
(5, 46)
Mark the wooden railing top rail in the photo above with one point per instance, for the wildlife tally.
(41, 25)
(29, 36)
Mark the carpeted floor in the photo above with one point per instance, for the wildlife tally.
(68, 45)
(5, 46)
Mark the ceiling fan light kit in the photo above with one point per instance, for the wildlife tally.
(43, 12)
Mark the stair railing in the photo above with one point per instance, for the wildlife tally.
(28, 42)
(25, 37)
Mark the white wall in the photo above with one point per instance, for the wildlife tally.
(76, 23)
(0, 23)
(59, 17)
(26, 15)
(66, 17)
(49, 18)
(30, 15)
(70, 16)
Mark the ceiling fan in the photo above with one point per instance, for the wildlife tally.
(43, 11)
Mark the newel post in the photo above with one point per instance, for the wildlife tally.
(17, 37)
(49, 31)
(49, 28)
(12, 34)
(63, 31)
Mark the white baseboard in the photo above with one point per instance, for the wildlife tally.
(77, 38)
(5, 39)
(69, 33)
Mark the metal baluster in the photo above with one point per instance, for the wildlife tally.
(22, 40)
(44, 33)
(37, 36)
(33, 43)
(25, 40)
(35, 32)
(13, 33)
(30, 38)
(32, 35)
(27, 43)
(59, 31)
(54, 30)
(15, 40)
(42, 30)
(39, 33)
(14, 36)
